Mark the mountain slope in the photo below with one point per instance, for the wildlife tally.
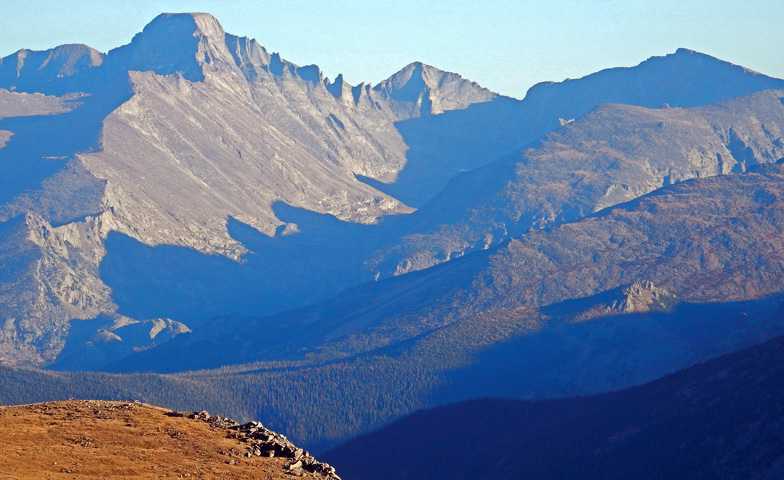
(682, 79)
(715, 239)
(611, 155)
(326, 399)
(44, 71)
(721, 420)
(468, 139)
(192, 174)
(205, 149)
(117, 440)
(549, 314)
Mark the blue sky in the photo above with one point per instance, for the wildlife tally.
(506, 46)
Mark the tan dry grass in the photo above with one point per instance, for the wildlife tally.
(115, 440)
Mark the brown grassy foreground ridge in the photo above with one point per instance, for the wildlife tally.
(120, 440)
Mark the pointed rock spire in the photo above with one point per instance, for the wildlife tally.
(424, 89)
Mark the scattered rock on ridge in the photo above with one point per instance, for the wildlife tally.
(263, 442)
(119, 440)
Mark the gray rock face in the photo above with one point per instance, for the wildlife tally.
(15, 104)
(420, 89)
(643, 297)
(189, 130)
(43, 71)
(192, 173)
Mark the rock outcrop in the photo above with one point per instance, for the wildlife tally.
(643, 297)
(639, 297)
(263, 442)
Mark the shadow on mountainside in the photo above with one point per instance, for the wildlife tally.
(444, 145)
(493, 354)
(573, 357)
(721, 420)
(41, 146)
(281, 272)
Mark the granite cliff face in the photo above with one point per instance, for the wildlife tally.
(175, 139)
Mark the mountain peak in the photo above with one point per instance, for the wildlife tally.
(423, 89)
(206, 25)
(413, 78)
(684, 51)
(680, 79)
(33, 70)
(181, 43)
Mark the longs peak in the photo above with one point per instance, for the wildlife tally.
(179, 27)
(176, 42)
